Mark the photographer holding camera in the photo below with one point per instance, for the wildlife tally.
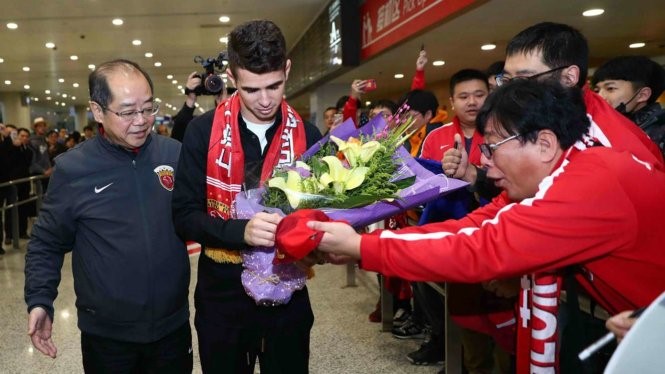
(207, 83)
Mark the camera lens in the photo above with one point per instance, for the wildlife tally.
(213, 83)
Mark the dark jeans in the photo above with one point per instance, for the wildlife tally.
(172, 354)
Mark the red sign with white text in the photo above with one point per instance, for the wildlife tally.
(387, 22)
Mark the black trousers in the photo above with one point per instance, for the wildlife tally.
(171, 355)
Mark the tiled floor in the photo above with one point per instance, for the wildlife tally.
(343, 341)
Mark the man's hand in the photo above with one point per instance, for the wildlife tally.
(620, 324)
(455, 162)
(421, 62)
(338, 238)
(39, 329)
(193, 81)
(260, 230)
(358, 88)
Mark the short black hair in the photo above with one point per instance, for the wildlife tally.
(561, 45)
(98, 84)
(257, 46)
(525, 107)
(421, 101)
(641, 71)
(384, 103)
(465, 75)
(87, 127)
(51, 132)
(22, 129)
(330, 108)
(495, 68)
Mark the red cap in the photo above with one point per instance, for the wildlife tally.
(293, 239)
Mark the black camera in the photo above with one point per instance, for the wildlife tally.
(211, 82)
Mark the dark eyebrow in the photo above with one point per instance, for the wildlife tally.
(273, 85)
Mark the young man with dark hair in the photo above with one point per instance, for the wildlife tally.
(131, 271)
(423, 107)
(535, 151)
(632, 84)
(235, 147)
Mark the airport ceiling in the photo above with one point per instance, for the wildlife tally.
(176, 31)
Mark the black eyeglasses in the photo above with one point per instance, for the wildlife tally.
(487, 149)
(129, 115)
(501, 78)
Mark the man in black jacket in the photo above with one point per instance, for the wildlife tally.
(131, 271)
(237, 145)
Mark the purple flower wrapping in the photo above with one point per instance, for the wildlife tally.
(270, 284)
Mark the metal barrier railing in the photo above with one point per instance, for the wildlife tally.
(14, 203)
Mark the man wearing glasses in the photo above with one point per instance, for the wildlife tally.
(563, 204)
(109, 203)
(556, 52)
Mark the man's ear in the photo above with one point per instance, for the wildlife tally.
(97, 111)
(428, 116)
(570, 76)
(549, 148)
(287, 69)
(231, 77)
(643, 95)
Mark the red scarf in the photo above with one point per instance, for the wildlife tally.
(226, 159)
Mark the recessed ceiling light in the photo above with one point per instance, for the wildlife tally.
(136, 42)
(148, 54)
(27, 86)
(438, 63)
(50, 45)
(73, 97)
(637, 45)
(73, 57)
(2, 60)
(368, 103)
(488, 47)
(399, 76)
(12, 26)
(48, 92)
(35, 99)
(180, 87)
(64, 95)
(224, 19)
(224, 39)
(75, 85)
(91, 66)
(158, 64)
(57, 103)
(174, 81)
(48, 97)
(593, 12)
(170, 76)
(117, 21)
(26, 68)
(62, 104)
(61, 80)
(8, 82)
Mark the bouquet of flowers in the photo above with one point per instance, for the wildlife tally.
(360, 176)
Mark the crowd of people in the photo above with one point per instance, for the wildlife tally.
(540, 150)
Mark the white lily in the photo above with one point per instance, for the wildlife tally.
(292, 187)
(356, 152)
(343, 179)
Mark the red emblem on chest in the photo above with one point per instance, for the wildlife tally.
(165, 175)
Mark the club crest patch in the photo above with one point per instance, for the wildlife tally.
(166, 176)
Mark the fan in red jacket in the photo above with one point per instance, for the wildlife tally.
(564, 204)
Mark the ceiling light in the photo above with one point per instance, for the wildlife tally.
(27, 86)
(26, 68)
(48, 92)
(170, 76)
(136, 42)
(61, 80)
(48, 97)
(399, 76)
(224, 39)
(148, 54)
(8, 82)
(57, 103)
(73, 57)
(75, 85)
(158, 64)
(50, 45)
(62, 104)
(637, 45)
(438, 63)
(224, 19)
(12, 26)
(488, 47)
(117, 21)
(91, 66)
(35, 99)
(593, 12)
(64, 95)
(180, 86)
(174, 81)
(73, 97)
(2, 60)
